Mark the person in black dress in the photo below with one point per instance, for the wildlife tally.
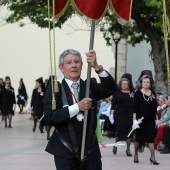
(8, 102)
(22, 95)
(145, 106)
(121, 108)
(37, 103)
(1, 87)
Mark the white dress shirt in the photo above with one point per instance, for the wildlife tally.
(74, 109)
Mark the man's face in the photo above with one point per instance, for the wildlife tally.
(71, 67)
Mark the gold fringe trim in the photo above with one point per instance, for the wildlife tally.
(86, 18)
(121, 20)
(62, 11)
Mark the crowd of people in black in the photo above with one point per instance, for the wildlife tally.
(8, 102)
(129, 105)
(120, 112)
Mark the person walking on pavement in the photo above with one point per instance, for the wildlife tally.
(121, 108)
(37, 103)
(145, 106)
(69, 119)
(22, 95)
(8, 102)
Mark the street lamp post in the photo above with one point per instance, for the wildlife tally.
(116, 32)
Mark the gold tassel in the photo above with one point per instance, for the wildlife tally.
(53, 103)
(55, 85)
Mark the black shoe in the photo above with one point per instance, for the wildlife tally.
(141, 149)
(48, 137)
(41, 130)
(165, 151)
(10, 126)
(5, 126)
(136, 161)
(34, 129)
(128, 153)
(114, 150)
(153, 162)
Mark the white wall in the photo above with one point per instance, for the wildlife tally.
(138, 59)
(24, 52)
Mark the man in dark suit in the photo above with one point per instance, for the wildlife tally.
(65, 143)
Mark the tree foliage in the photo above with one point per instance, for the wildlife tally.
(150, 14)
(147, 25)
(35, 11)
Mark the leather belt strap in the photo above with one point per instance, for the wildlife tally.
(70, 123)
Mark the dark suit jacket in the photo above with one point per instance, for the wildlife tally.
(59, 118)
(37, 102)
(7, 100)
(22, 92)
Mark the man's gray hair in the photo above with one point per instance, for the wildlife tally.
(162, 98)
(66, 52)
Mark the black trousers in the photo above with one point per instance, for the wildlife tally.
(69, 164)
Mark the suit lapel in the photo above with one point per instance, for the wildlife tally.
(82, 89)
(68, 93)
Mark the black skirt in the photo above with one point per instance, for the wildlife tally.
(147, 131)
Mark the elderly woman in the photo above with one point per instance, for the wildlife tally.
(121, 108)
(164, 120)
(145, 106)
(105, 115)
(161, 102)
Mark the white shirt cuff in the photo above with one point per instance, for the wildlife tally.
(103, 74)
(73, 110)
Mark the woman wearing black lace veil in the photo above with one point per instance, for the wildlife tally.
(121, 108)
(144, 105)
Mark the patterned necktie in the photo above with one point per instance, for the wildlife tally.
(75, 90)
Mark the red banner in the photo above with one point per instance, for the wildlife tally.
(95, 9)
(60, 7)
(122, 8)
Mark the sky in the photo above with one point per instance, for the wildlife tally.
(24, 51)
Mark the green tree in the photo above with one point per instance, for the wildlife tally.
(146, 25)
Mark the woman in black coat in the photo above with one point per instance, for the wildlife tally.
(22, 95)
(37, 103)
(8, 102)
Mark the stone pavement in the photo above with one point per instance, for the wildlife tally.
(21, 149)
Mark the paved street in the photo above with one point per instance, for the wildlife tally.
(21, 149)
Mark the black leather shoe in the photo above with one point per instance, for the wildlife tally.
(128, 153)
(5, 126)
(34, 129)
(165, 151)
(114, 150)
(136, 161)
(10, 126)
(153, 162)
